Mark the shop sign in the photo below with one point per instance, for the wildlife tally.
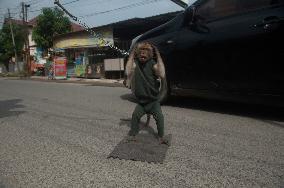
(85, 40)
(114, 64)
(60, 68)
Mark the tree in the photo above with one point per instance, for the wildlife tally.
(50, 23)
(6, 47)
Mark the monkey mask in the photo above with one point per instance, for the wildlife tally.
(144, 52)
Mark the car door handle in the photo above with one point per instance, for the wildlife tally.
(267, 22)
(170, 42)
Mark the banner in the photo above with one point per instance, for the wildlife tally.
(81, 40)
(60, 69)
(80, 70)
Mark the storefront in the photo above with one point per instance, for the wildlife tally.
(89, 57)
(89, 62)
(85, 54)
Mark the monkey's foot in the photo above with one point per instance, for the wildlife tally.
(162, 140)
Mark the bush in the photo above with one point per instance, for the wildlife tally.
(14, 74)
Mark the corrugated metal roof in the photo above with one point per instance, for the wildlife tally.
(14, 21)
(135, 21)
(32, 22)
(74, 27)
(150, 22)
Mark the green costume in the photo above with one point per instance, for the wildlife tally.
(146, 91)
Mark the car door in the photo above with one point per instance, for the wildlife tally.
(243, 45)
(260, 50)
(165, 36)
(201, 50)
(223, 52)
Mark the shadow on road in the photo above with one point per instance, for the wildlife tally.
(142, 125)
(130, 97)
(7, 107)
(256, 111)
(265, 113)
(2, 185)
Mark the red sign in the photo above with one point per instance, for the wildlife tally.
(60, 68)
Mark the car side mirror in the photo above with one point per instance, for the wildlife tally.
(190, 16)
(194, 21)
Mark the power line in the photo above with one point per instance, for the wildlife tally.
(37, 5)
(17, 7)
(36, 10)
(122, 8)
(40, 9)
(14, 13)
(70, 2)
(33, 1)
(87, 28)
(88, 4)
(92, 3)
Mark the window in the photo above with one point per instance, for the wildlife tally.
(212, 9)
(256, 4)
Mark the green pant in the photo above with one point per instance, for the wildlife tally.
(153, 108)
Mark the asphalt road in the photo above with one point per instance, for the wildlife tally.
(60, 134)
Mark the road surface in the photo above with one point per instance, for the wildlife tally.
(60, 134)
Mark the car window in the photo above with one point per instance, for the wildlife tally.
(213, 9)
(245, 5)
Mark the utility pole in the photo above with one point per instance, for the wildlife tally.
(23, 12)
(26, 11)
(27, 46)
(28, 43)
(12, 34)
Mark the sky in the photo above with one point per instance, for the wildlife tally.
(93, 12)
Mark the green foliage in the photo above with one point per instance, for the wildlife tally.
(6, 42)
(50, 23)
(14, 74)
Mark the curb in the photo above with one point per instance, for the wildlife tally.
(89, 82)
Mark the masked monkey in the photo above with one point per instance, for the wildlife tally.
(144, 68)
(159, 67)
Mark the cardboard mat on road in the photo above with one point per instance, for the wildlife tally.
(146, 148)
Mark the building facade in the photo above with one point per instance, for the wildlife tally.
(90, 57)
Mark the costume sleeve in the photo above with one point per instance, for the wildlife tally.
(159, 67)
(129, 68)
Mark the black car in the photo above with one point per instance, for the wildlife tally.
(227, 49)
